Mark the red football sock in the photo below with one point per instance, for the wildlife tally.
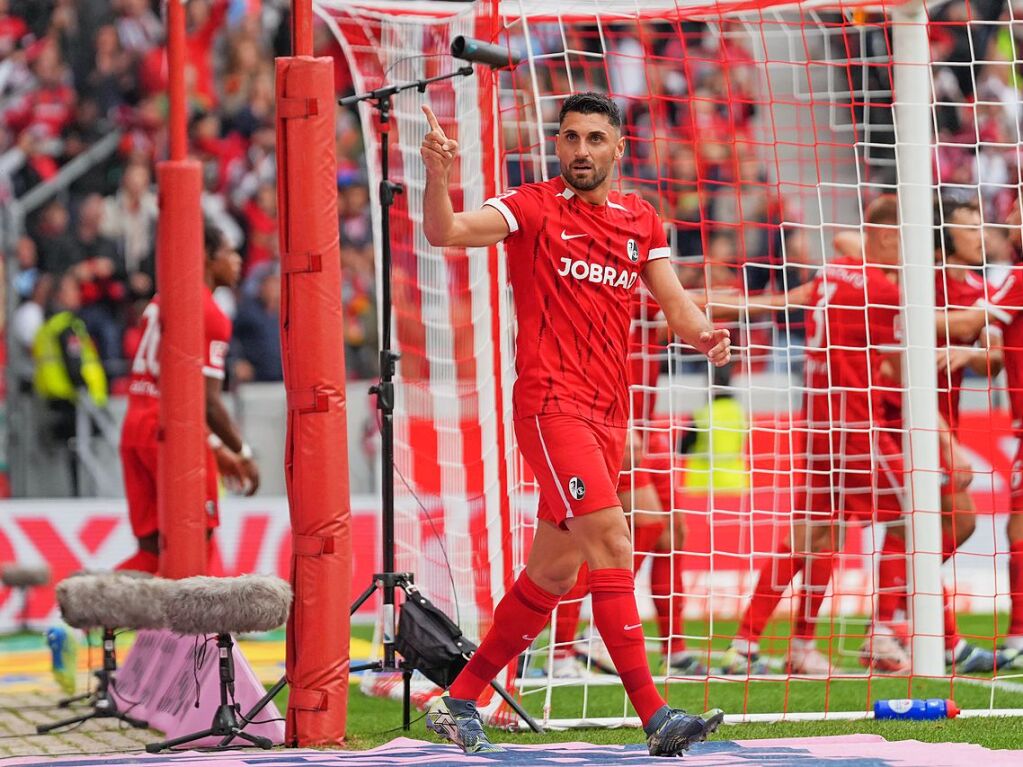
(617, 619)
(891, 580)
(1016, 588)
(951, 630)
(816, 578)
(644, 541)
(143, 561)
(519, 617)
(566, 621)
(669, 601)
(775, 576)
(948, 545)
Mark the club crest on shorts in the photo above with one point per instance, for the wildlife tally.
(576, 488)
(633, 250)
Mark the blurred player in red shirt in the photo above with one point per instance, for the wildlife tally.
(139, 435)
(959, 284)
(852, 470)
(1003, 310)
(575, 251)
(885, 649)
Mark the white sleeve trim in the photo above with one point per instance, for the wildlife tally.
(504, 210)
(213, 372)
(998, 313)
(656, 253)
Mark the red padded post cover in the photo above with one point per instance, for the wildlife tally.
(316, 453)
(181, 476)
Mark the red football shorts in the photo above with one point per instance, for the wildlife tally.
(575, 462)
(854, 474)
(139, 464)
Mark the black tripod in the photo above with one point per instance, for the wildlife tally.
(226, 721)
(103, 704)
(389, 580)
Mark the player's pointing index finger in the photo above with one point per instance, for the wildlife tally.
(432, 119)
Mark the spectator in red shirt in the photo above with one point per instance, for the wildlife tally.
(261, 222)
(48, 107)
(13, 30)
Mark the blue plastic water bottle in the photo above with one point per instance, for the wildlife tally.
(63, 654)
(909, 708)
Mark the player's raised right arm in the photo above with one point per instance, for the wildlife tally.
(441, 225)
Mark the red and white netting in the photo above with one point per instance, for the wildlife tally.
(760, 131)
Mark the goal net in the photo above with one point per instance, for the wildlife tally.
(764, 133)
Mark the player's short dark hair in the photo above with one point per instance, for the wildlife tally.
(592, 103)
(212, 238)
(945, 209)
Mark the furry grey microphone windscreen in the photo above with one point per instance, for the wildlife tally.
(204, 605)
(113, 600)
(13, 574)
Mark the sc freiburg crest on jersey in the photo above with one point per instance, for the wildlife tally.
(573, 269)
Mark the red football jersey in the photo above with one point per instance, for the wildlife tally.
(1006, 306)
(852, 324)
(955, 294)
(144, 385)
(573, 268)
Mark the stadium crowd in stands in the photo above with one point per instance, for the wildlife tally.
(75, 71)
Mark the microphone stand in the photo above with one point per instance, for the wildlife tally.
(389, 580)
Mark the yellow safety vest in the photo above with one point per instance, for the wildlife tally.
(718, 458)
(52, 380)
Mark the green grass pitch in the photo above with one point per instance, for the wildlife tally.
(374, 721)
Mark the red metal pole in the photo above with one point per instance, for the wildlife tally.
(181, 481)
(176, 78)
(302, 27)
(312, 344)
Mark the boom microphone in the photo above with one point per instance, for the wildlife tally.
(113, 600)
(241, 605)
(478, 52)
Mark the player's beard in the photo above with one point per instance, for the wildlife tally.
(584, 185)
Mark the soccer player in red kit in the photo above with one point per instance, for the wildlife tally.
(959, 285)
(575, 250)
(226, 449)
(853, 471)
(1005, 307)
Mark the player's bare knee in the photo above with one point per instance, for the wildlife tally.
(607, 546)
(554, 581)
(1014, 530)
(678, 532)
(964, 525)
(612, 549)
